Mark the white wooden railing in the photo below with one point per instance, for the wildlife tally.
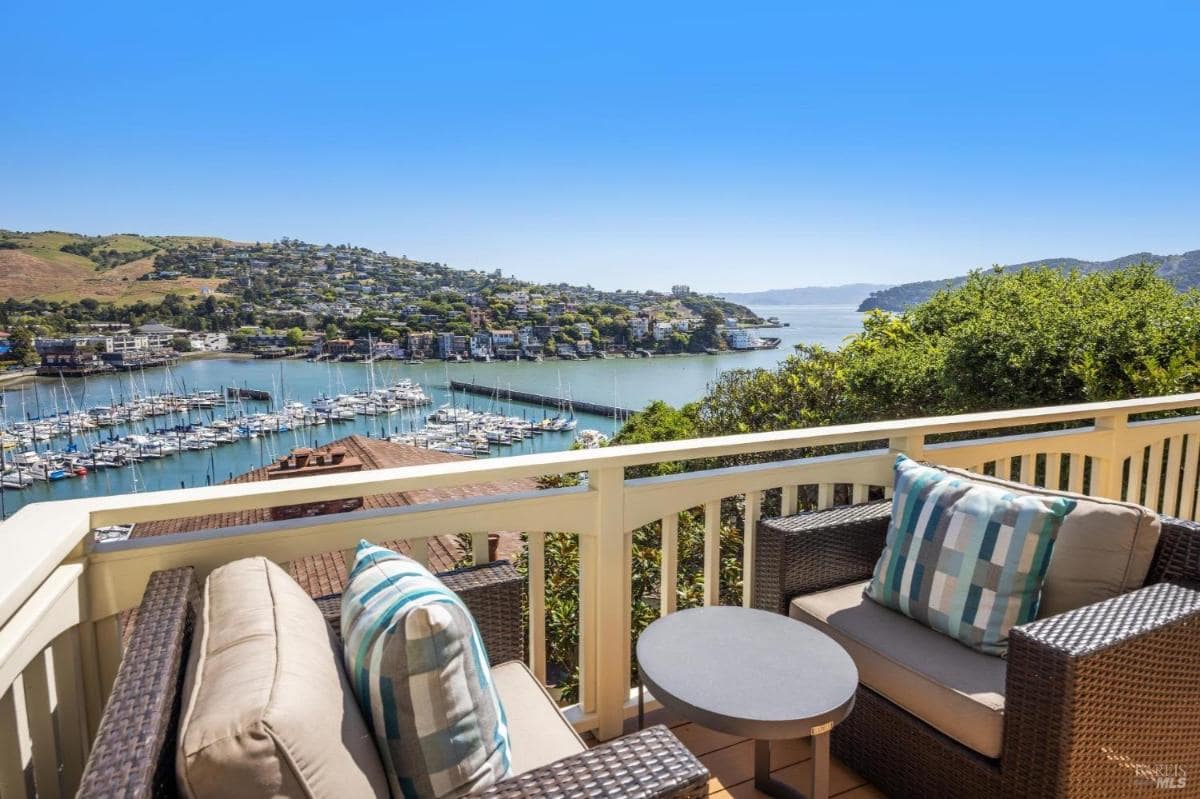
(61, 594)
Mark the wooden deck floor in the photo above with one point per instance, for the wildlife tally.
(730, 761)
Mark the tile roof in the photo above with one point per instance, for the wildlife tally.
(325, 573)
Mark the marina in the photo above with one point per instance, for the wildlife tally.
(203, 421)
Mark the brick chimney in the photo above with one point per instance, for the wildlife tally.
(304, 462)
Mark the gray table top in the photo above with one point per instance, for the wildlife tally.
(747, 672)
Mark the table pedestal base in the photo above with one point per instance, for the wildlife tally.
(818, 786)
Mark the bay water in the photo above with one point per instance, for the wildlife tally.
(623, 382)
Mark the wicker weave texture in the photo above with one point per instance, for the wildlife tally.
(495, 595)
(906, 758)
(1178, 554)
(817, 550)
(1103, 700)
(651, 764)
(134, 751)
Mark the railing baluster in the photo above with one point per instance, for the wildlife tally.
(789, 500)
(109, 648)
(68, 689)
(419, 550)
(479, 549)
(1187, 500)
(537, 604)
(41, 727)
(1075, 473)
(712, 553)
(1154, 475)
(1053, 477)
(824, 496)
(749, 537)
(1171, 477)
(1028, 468)
(859, 493)
(1133, 492)
(589, 554)
(668, 587)
(12, 759)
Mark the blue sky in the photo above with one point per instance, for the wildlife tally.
(730, 146)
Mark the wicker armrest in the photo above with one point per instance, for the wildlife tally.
(651, 764)
(817, 550)
(1177, 557)
(495, 595)
(1105, 695)
(133, 753)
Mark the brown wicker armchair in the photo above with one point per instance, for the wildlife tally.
(134, 751)
(1099, 701)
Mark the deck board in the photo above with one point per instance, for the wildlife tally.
(730, 760)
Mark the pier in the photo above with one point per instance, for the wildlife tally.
(236, 392)
(611, 411)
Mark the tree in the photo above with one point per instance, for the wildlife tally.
(332, 332)
(181, 344)
(294, 337)
(23, 350)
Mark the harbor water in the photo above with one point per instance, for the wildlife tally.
(624, 382)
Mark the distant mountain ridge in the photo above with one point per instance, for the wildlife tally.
(1183, 270)
(849, 294)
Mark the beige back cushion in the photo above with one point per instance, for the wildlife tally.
(267, 710)
(1104, 547)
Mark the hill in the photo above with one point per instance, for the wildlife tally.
(849, 294)
(1182, 270)
(53, 265)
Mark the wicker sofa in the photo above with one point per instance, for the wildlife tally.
(1100, 701)
(133, 754)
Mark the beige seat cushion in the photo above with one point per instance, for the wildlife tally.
(537, 733)
(1104, 548)
(267, 710)
(947, 685)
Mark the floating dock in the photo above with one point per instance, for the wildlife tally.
(544, 400)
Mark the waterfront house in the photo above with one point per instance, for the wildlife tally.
(503, 338)
(79, 356)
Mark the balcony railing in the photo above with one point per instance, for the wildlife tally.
(61, 593)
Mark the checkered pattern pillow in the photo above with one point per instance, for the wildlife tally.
(417, 664)
(965, 559)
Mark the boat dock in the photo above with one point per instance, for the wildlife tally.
(238, 392)
(540, 399)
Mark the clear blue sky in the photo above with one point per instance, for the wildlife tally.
(730, 146)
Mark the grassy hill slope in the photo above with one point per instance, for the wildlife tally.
(104, 268)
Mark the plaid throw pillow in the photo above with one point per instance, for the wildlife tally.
(965, 559)
(418, 667)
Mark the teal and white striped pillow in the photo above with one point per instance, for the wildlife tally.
(963, 558)
(417, 664)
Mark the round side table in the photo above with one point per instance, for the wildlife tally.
(754, 674)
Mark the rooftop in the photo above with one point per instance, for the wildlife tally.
(324, 573)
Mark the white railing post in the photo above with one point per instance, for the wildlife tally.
(613, 602)
(911, 444)
(1106, 471)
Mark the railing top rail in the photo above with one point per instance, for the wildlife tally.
(240, 496)
(40, 535)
